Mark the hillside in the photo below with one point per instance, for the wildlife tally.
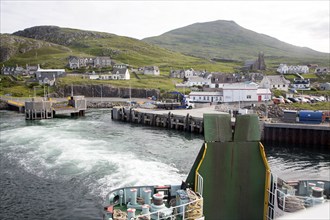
(121, 49)
(227, 40)
(21, 50)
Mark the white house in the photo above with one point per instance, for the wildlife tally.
(48, 76)
(283, 69)
(198, 81)
(275, 82)
(189, 73)
(120, 71)
(151, 70)
(301, 84)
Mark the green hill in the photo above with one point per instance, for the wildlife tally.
(121, 49)
(21, 51)
(227, 40)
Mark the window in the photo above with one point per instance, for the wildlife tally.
(283, 86)
(248, 96)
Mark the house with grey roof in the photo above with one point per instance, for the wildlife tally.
(198, 81)
(275, 82)
(98, 62)
(120, 72)
(151, 70)
(48, 76)
(101, 62)
(177, 74)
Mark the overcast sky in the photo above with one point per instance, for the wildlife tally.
(301, 23)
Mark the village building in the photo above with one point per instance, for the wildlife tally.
(322, 70)
(284, 69)
(97, 62)
(275, 82)
(177, 74)
(48, 76)
(208, 97)
(182, 74)
(31, 70)
(301, 84)
(10, 70)
(198, 81)
(258, 64)
(325, 86)
(120, 71)
(233, 92)
(151, 70)
(101, 62)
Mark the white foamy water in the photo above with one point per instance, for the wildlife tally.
(63, 168)
(104, 154)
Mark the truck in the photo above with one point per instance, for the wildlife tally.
(180, 102)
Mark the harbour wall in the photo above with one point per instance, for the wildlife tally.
(106, 91)
(276, 134)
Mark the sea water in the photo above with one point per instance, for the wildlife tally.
(63, 168)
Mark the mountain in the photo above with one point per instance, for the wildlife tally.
(227, 40)
(121, 49)
(21, 47)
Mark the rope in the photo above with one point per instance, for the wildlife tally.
(119, 215)
(194, 210)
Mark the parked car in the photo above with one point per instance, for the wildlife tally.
(287, 101)
(278, 101)
(294, 100)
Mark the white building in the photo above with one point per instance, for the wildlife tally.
(48, 76)
(301, 84)
(264, 94)
(151, 70)
(120, 71)
(275, 82)
(233, 92)
(236, 92)
(198, 81)
(284, 69)
(206, 97)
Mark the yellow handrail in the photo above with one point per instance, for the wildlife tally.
(200, 163)
(267, 183)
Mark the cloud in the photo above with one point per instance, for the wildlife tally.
(284, 20)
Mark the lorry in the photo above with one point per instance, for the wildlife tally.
(181, 101)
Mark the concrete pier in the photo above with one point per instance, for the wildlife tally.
(182, 120)
(39, 108)
(288, 134)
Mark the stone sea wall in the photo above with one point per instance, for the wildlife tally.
(106, 91)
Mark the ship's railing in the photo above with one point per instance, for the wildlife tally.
(199, 184)
(190, 210)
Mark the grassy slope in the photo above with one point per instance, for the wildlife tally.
(122, 49)
(226, 39)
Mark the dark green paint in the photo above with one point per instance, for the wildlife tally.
(233, 171)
